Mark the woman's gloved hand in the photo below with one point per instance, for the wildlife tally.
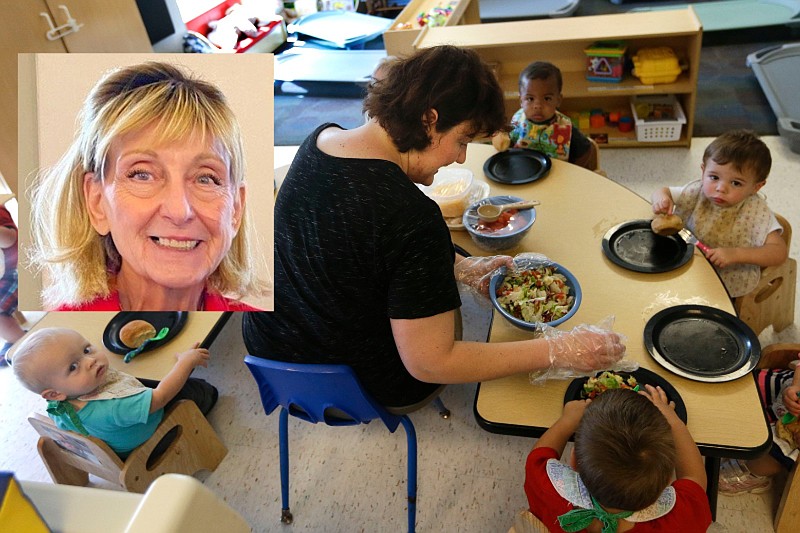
(586, 348)
(475, 272)
(583, 351)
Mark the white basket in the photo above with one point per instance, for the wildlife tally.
(658, 130)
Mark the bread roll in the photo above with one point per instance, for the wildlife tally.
(134, 333)
(666, 224)
(501, 142)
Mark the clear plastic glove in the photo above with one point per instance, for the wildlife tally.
(583, 351)
(475, 272)
(529, 261)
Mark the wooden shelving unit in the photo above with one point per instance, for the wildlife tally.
(513, 45)
(400, 42)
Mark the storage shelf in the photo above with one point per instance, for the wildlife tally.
(510, 46)
(577, 86)
(400, 42)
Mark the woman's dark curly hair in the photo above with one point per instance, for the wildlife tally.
(453, 81)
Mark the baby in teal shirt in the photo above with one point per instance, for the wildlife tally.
(87, 396)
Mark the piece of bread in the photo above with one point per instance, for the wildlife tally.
(666, 224)
(501, 142)
(134, 333)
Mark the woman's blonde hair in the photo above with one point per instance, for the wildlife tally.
(78, 260)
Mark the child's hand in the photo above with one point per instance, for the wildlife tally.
(721, 257)
(573, 411)
(659, 399)
(790, 399)
(501, 141)
(196, 356)
(662, 202)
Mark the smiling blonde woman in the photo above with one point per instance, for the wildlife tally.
(146, 210)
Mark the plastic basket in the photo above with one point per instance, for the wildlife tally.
(650, 130)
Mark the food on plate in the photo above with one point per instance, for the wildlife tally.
(595, 386)
(536, 295)
(666, 224)
(136, 332)
(502, 221)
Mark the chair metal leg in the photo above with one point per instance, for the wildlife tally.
(444, 412)
(283, 438)
(411, 438)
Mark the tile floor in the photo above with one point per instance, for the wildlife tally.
(353, 479)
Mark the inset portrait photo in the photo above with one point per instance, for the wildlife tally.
(148, 182)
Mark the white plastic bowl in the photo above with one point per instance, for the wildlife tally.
(450, 190)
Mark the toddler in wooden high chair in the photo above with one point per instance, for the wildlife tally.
(724, 211)
(89, 397)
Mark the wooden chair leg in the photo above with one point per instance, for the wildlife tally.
(61, 472)
(195, 447)
(787, 519)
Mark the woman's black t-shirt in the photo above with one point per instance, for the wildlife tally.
(356, 243)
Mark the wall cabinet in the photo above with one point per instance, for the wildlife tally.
(107, 27)
(510, 46)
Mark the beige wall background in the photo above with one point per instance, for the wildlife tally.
(52, 88)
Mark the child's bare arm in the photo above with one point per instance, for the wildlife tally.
(689, 463)
(772, 253)
(8, 237)
(662, 201)
(176, 378)
(559, 433)
(790, 394)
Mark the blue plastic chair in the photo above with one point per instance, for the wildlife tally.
(330, 394)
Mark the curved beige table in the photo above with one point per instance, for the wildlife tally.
(200, 326)
(578, 207)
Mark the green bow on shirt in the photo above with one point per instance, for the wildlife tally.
(64, 408)
(578, 519)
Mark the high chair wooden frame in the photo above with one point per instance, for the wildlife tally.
(787, 518)
(70, 457)
(772, 301)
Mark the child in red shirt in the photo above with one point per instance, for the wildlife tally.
(10, 330)
(628, 447)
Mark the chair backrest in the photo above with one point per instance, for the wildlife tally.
(778, 355)
(89, 454)
(787, 230)
(330, 394)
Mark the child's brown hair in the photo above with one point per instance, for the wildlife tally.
(624, 450)
(744, 150)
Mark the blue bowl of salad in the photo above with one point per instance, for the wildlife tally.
(547, 294)
(503, 234)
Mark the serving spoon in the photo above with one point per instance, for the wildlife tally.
(491, 212)
(133, 353)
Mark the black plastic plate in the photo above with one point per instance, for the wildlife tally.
(174, 320)
(634, 246)
(702, 343)
(643, 377)
(517, 166)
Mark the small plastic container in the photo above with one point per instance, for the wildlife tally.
(656, 65)
(657, 118)
(605, 61)
(450, 189)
